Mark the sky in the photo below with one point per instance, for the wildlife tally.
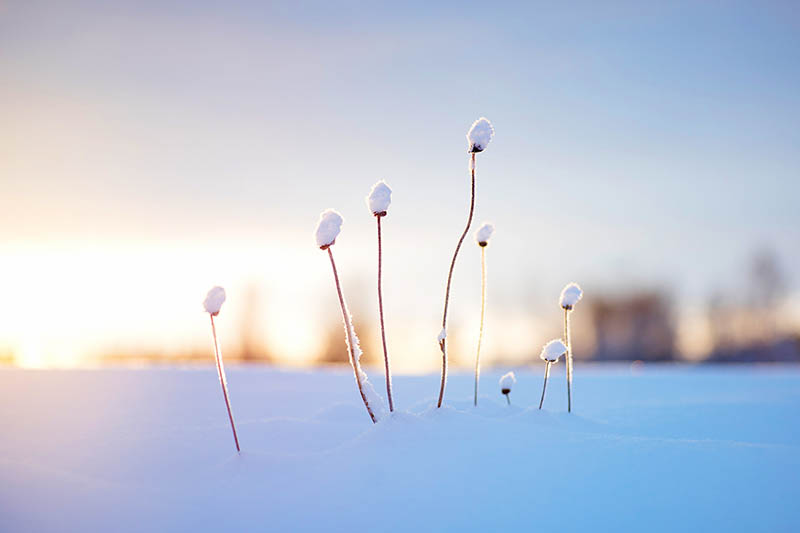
(151, 150)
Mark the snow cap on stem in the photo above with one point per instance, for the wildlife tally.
(379, 199)
(214, 300)
(479, 135)
(442, 335)
(571, 295)
(553, 350)
(484, 233)
(328, 228)
(506, 382)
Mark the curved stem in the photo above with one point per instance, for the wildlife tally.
(348, 329)
(544, 387)
(383, 329)
(443, 342)
(483, 312)
(569, 360)
(223, 381)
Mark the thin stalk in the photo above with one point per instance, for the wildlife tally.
(508, 399)
(480, 334)
(380, 310)
(348, 327)
(223, 381)
(569, 360)
(443, 343)
(544, 388)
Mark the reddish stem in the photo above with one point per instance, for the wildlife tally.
(348, 331)
(443, 342)
(223, 381)
(380, 310)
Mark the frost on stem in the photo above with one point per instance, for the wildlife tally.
(484, 233)
(214, 300)
(379, 199)
(328, 228)
(570, 296)
(479, 135)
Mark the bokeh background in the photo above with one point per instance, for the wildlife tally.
(150, 150)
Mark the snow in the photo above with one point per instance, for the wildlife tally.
(484, 233)
(657, 449)
(379, 199)
(328, 227)
(507, 381)
(480, 135)
(570, 296)
(214, 300)
(553, 350)
(442, 335)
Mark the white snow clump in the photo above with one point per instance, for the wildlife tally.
(380, 198)
(328, 228)
(214, 300)
(571, 295)
(553, 350)
(484, 233)
(507, 381)
(479, 135)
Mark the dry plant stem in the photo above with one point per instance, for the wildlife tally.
(544, 388)
(480, 334)
(569, 360)
(348, 331)
(508, 399)
(443, 343)
(383, 329)
(223, 381)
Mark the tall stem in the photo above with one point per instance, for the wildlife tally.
(544, 387)
(348, 328)
(508, 399)
(443, 342)
(223, 381)
(380, 310)
(569, 359)
(480, 333)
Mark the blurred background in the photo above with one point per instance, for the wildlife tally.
(150, 150)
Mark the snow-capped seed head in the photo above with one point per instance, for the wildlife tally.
(571, 295)
(553, 350)
(328, 228)
(479, 135)
(506, 382)
(484, 233)
(379, 199)
(214, 300)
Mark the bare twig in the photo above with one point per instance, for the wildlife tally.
(380, 309)
(223, 381)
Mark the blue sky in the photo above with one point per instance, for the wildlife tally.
(644, 144)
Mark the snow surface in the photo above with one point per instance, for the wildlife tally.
(484, 233)
(379, 199)
(480, 135)
(553, 350)
(214, 300)
(652, 448)
(507, 381)
(570, 295)
(328, 227)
